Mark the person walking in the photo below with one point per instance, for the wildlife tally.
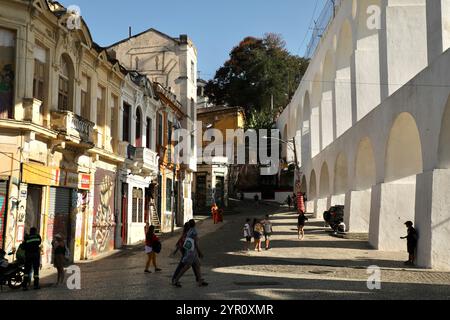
(289, 202)
(301, 225)
(268, 230)
(258, 232)
(247, 235)
(32, 258)
(215, 213)
(59, 255)
(412, 239)
(191, 257)
(152, 243)
(181, 265)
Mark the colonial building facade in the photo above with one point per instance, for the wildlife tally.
(171, 62)
(79, 154)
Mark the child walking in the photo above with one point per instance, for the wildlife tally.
(247, 235)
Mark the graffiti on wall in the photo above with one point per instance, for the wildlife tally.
(104, 221)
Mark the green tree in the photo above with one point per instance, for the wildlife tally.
(259, 72)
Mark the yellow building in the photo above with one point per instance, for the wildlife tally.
(213, 179)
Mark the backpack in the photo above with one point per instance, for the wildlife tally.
(189, 244)
(190, 254)
(157, 246)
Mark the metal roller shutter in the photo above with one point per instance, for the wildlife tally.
(3, 203)
(3, 187)
(60, 201)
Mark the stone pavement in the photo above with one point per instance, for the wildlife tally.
(320, 267)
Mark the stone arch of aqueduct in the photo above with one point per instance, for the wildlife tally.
(372, 120)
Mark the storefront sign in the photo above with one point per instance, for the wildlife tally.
(41, 175)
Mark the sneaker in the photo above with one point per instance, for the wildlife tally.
(177, 285)
(203, 284)
(158, 270)
(147, 271)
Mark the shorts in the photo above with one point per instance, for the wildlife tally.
(249, 239)
(301, 225)
(148, 249)
(267, 235)
(257, 235)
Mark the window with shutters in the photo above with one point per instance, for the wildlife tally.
(169, 141)
(101, 112)
(114, 114)
(168, 195)
(65, 85)
(160, 129)
(7, 71)
(149, 135)
(126, 122)
(40, 66)
(138, 128)
(85, 97)
(137, 211)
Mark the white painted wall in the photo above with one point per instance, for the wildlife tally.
(399, 77)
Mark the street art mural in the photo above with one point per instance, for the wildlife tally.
(104, 219)
(7, 73)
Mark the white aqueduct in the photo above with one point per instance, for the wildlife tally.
(372, 120)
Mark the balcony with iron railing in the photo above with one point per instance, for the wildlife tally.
(321, 25)
(142, 161)
(75, 128)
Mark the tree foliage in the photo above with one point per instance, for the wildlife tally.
(258, 71)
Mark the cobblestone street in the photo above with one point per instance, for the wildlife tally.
(321, 267)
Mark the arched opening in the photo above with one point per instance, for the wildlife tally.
(367, 58)
(65, 84)
(404, 149)
(395, 202)
(312, 186)
(341, 175)
(324, 182)
(358, 202)
(329, 73)
(343, 88)
(365, 170)
(315, 116)
(138, 128)
(306, 134)
(444, 140)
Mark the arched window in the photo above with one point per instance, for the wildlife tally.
(65, 85)
(138, 128)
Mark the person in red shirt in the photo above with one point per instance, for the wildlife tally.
(150, 243)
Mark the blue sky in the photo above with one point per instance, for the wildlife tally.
(215, 26)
